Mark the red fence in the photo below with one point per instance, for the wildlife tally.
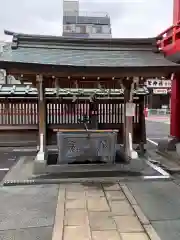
(169, 36)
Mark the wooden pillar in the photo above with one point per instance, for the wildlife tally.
(126, 99)
(128, 121)
(141, 126)
(42, 117)
(142, 123)
(93, 113)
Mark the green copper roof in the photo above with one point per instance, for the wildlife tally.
(50, 50)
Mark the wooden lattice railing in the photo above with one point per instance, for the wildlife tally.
(25, 112)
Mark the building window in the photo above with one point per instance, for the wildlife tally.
(106, 29)
(98, 29)
(67, 28)
(81, 29)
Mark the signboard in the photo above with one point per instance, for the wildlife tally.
(160, 91)
(157, 83)
(130, 109)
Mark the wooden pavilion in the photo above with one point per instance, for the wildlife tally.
(62, 70)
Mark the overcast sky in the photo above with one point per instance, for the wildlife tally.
(130, 18)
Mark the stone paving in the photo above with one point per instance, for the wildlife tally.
(27, 212)
(91, 211)
(86, 211)
(99, 211)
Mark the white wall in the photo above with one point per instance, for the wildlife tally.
(69, 28)
(90, 29)
(70, 8)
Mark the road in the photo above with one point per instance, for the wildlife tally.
(7, 160)
(156, 130)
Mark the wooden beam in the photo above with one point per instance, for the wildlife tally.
(79, 71)
(42, 114)
(143, 73)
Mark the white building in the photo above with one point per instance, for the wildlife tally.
(70, 8)
(84, 24)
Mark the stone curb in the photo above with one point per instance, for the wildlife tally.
(59, 218)
(128, 194)
(150, 231)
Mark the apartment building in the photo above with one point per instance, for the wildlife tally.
(77, 23)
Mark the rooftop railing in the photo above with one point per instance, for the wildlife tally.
(86, 13)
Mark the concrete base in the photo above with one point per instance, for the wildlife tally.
(168, 145)
(170, 150)
(40, 163)
(22, 173)
(133, 155)
(140, 149)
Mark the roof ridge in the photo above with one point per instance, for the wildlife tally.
(113, 42)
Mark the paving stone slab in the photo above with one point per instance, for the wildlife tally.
(75, 204)
(167, 230)
(115, 195)
(76, 217)
(78, 187)
(128, 224)
(94, 193)
(42, 233)
(71, 195)
(28, 206)
(77, 233)
(105, 235)
(98, 204)
(121, 208)
(101, 221)
(134, 236)
(158, 200)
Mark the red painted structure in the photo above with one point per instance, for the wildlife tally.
(170, 44)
